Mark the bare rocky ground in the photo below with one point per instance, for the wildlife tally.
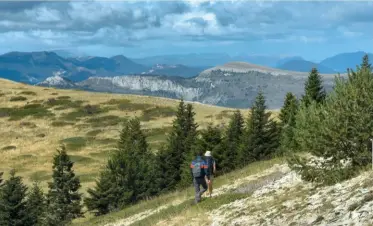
(280, 197)
(287, 200)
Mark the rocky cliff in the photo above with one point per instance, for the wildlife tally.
(232, 85)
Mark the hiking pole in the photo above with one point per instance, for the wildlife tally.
(371, 140)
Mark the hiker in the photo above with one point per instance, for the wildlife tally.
(198, 169)
(211, 169)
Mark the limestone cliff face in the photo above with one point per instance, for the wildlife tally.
(231, 85)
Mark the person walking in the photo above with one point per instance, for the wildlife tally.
(201, 176)
(211, 169)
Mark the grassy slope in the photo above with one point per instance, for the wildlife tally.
(31, 135)
(28, 143)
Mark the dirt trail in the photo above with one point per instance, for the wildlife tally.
(235, 187)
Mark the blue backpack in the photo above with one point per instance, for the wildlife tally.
(197, 169)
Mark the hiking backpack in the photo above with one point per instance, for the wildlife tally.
(197, 169)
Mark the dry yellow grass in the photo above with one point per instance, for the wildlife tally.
(32, 157)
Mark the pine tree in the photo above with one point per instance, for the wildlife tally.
(129, 175)
(337, 131)
(289, 108)
(190, 146)
(287, 117)
(261, 138)
(211, 137)
(13, 210)
(226, 153)
(365, 64)
(314, 90)
(175, 149)
(63, 198)
(36, 204)
(103, 197)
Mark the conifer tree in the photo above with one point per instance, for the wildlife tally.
(365, 64)
(190, 146)
(261, 138)
(103, 197)
(13, 210)
(129, 175)
(175, 149)
(226, 154)
(289, 108)
(337, 131)
(1, 179)
(314, 90)
(36, 204)
(63, 198)
(211, 137)
(287, 117)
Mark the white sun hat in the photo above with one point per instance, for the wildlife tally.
(208, 153)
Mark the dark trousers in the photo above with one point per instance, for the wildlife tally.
(197, 182)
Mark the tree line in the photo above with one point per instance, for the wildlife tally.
(333, 125)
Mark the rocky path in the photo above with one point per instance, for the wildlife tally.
(280, 197)
(289, 201)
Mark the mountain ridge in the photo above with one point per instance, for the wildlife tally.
(230, 85)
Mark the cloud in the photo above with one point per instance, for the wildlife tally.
(111, 23)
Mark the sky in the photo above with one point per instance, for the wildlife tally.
(311, 29)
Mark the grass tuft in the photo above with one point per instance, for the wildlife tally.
(104, 121)
(30, 93)
(157, 112)
(74, 143)
(18, 98)
(9, 148)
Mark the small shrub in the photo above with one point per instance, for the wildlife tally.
(28, 124)
(30, 93)
(34, 110)
(30, 106)
(108, 120)
(353, 206)
(9, 148)
(93, 133)
(74, 143)
(36, 101)
(127, 105)
(5, 112)
(224, 114)
(41, 135)
(18, 98)
(368, 197)
(61, 123)
(157, 112)
(2, 94)
(63, 103)
(85, 111)
(63, 97)
(54, 94)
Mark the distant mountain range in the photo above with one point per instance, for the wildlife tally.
(232, 85)
(34, 67)
(343, 61)
(304, 66)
